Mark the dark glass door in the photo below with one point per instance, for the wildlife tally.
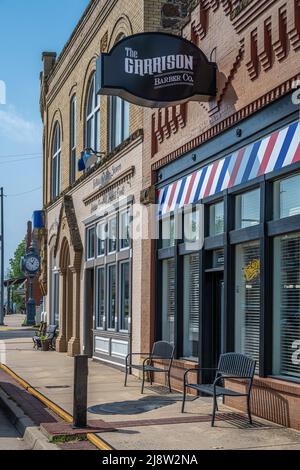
(217, 317)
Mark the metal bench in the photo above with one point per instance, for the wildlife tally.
(50, 336)
(231, 366)
(161, 350)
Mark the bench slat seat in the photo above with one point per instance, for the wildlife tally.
(220, 391)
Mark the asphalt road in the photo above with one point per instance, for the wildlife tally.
(12, 334)
(9, 436)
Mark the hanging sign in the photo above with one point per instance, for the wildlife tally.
(156, 70)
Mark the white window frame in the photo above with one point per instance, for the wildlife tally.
(55, 162)
(91, 116)
(122, 212)
(88, 231)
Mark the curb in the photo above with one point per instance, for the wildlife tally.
(32, 435)
(93, 438)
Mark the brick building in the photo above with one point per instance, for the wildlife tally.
(89, 281)
(228, 168)
(239, 156)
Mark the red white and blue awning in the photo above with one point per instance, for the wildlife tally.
(278, 150)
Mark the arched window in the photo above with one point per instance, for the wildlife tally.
(118, 118)
(73, 138)
(92, 135)
(55, 162)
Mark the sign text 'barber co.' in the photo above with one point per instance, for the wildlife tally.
(156, 70)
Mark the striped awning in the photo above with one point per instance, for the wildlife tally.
(278, 150)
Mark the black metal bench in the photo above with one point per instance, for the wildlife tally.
(161, 350)
(49, 335)
(231, 366)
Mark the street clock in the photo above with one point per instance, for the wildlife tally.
(30, 263)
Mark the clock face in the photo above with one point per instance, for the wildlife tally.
(32, 264)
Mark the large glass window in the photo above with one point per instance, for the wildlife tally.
(73, 140)
(118, 121)
(191, 224)
(216, 219)
(168, 231)
(286, 317)
(125, 229)
(112, 235)
(287, 197)
(90, 236)
(247, 299)
(247, 206)
(55, 162)
(100, 298)
(112, 297)
(101, 237)
(191, 306)
(124, 296)
(168, 300)
(92, 136)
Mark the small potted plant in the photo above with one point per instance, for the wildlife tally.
(45, 343)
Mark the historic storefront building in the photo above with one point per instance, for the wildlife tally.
(226, 269)
(91, 269)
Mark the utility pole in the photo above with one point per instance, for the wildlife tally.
(2, 259)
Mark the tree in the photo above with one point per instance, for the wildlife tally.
(15, 270)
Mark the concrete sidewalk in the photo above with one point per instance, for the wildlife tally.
(152, 421)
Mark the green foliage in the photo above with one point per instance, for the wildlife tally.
(14, 262)
(15, 271)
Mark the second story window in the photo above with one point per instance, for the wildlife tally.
(118, 116)
(73, 140)
(55, 162)
(92, 135)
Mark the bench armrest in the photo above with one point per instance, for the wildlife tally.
(136, 354)
(242, 377)
(196, 369)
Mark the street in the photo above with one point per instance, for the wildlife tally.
(9, 436)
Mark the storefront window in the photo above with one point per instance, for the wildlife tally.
(287, 197)
(124, 229)
(216, 219)
(91, 243)
(168, 231)
(168, 300)
(112, 295)
(112, 235)
(101, 236)
(191, 306)
(191, 224)
(247, 299)
(100, 299)
(124, 291)
(286, 315)
(247, 209)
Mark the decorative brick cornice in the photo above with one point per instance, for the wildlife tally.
(122, 178)
(230, 121)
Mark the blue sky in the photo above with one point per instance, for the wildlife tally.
(27, 28)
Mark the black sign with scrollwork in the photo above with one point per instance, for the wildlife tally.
(156, 70)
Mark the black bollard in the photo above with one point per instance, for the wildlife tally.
(80, 391)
